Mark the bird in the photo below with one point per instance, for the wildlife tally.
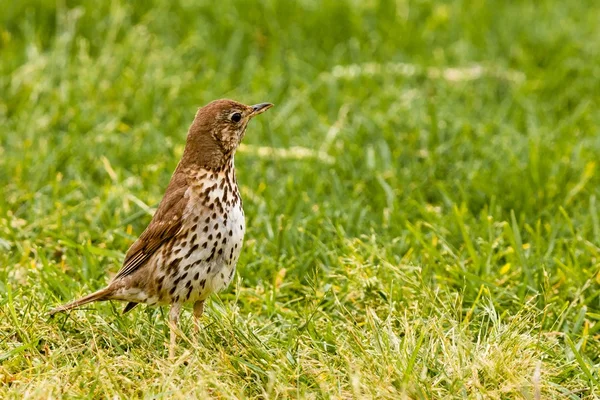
(190, 248)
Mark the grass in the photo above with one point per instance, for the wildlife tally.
(422, 203)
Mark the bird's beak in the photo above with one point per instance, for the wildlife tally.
(260, 108)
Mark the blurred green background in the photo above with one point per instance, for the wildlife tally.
(421, 203)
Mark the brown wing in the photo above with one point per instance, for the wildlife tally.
(165, 224)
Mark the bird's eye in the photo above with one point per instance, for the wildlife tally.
(236, 117)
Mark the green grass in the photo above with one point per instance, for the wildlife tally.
(422, 203)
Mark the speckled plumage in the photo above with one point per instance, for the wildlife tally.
(201, 258)
(191, 247)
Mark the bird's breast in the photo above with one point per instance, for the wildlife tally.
(205, 252)
(217, 219)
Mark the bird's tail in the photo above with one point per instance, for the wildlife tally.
(102, 294)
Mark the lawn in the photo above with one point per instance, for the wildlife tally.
(422, 203)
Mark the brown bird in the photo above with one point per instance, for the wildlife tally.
(191, 247)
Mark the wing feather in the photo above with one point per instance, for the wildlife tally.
(165, 225)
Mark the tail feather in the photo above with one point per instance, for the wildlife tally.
(100, 295)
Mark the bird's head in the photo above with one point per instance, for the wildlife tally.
(218, 129)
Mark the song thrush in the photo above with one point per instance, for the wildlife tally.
(191, 247)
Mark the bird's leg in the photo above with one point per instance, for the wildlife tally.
(173, 320)
(198, 310)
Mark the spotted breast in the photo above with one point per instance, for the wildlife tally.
(201, 259)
